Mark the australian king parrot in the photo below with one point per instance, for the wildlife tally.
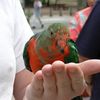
(52, 44)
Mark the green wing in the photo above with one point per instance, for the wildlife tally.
(73, 56)
(26, 58)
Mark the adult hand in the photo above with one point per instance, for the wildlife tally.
(89, 68)
(57, 81)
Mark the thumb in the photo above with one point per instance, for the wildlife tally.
(90, 67)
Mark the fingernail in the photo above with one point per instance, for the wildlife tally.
(48, 71)
(39, 75)
(58, 69)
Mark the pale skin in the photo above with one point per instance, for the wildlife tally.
(87, 77)
(58, 81)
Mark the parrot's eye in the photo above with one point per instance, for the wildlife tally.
(62, 50)
(51, 33)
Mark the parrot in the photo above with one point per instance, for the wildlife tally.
(52, 44)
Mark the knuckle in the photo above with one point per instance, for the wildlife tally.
(50, 91)
(79, 86)
(63, 85)
(79, 90)
(50, 88)
(38, 91)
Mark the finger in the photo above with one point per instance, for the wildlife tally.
(63, 82)
(37, 86)
(77, 78)
(49, 82)
(90, 67)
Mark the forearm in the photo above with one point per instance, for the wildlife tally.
(20, 95)
(22, 80)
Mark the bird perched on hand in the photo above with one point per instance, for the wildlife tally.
(52, 44)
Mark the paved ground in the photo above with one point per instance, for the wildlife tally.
(52, 11)
(47, 20)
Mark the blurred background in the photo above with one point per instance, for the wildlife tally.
(52, 11)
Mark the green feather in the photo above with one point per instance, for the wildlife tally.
(26, 58)
(73, 56)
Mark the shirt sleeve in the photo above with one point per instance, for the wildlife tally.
(22, 34)
(89, 39)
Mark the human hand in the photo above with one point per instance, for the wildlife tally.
(58, 81)
(89, 68)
